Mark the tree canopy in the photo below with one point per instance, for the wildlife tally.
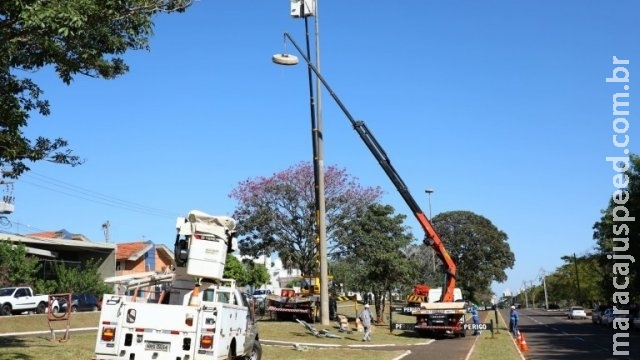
(245, 272)
(479, 249)
(87, 37)
(276, 214)
(371, 246)
(623, 235)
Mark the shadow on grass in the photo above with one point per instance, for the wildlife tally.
(6, 341)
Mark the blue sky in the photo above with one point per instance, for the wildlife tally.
(500, 106)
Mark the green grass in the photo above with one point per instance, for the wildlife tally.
(81, 344)
(498, 347)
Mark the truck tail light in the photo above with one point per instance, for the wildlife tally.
(206, 341)
(108, 334)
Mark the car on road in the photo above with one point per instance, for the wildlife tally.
(635, 321)
(576, 312)
(82, 302)
(260, 294)
(608, 316)
(597, 312)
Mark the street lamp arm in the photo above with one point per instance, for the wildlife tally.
(318, 75)
(432, 238)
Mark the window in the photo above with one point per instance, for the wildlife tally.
(208, 295)
(223, 297)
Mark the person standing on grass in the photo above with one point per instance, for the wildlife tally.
(366, 318)
(513, 321)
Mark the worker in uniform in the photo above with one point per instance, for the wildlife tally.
(514, 317)
(476, 318)
(366, 318)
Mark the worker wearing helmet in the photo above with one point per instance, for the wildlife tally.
(366, 318)
(514, 317)
(476, 318)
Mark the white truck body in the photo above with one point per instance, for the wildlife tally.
(221, 327)
(19, 299)
(199, 315)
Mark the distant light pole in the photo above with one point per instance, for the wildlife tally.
(543, 277)
(433, 252)
(533, 295)
(429, 192)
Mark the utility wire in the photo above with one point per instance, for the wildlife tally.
(68, 189)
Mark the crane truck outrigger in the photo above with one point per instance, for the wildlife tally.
(448, 314)
(198, 314)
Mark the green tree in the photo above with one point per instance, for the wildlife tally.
(277, 213)
(257, 274)
(425, 273)
(577, 282)
(626, 233)
(479, 249)
(86, 37)
(373, 242)
(233, 269)
(16, 267)
(73, 279)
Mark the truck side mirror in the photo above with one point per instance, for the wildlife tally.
(181, 252)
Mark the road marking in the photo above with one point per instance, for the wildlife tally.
(554, 329)
(406, 353)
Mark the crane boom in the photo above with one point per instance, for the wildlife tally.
(431, 236)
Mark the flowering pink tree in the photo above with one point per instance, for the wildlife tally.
(276, 214)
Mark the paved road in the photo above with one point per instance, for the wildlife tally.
(445, 349)
(551, 336)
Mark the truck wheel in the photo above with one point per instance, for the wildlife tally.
(256, 351)
(6, 309)
(42, 308)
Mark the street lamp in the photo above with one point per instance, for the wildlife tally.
(433, 252)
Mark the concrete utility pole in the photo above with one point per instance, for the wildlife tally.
(322, 233)
(304, 9)
(543, 277)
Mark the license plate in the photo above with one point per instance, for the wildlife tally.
(157, 346)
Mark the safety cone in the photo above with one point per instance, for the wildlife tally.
(518, 338)
(195, 296)
(523, 343)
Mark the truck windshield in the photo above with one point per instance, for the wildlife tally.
(7, 291)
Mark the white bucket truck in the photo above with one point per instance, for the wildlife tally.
(197, 315)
